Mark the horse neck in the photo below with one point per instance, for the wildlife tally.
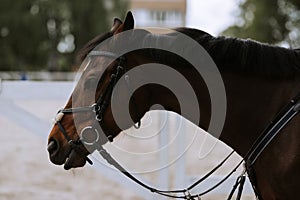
(252, 101)
(255, 98)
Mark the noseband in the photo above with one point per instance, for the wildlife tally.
(98, 108)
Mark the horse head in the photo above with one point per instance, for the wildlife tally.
(87, 119)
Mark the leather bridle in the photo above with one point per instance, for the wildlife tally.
(98, 108)
(101, 104)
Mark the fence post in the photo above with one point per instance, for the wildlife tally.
(164, 171)
(179, 177)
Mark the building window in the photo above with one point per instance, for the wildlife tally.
(165, 18)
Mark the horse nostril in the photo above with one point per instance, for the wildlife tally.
(52, 146)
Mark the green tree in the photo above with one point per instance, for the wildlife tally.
(268, 21)
(17, 37)
(46, 34)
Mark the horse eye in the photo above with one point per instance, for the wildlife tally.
(90, 83)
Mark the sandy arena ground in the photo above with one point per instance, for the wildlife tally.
(26, 172)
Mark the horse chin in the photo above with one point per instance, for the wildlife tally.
(74, 160)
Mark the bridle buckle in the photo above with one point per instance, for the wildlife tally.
(95, 108)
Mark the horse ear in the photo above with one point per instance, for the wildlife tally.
(128, 23)
(117, 23)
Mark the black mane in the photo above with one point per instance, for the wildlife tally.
(247, 56)
(233, 54)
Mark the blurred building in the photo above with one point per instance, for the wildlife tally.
(159, 13)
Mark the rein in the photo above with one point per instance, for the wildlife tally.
(101, 104)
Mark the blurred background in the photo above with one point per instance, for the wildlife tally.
(39, 40)
(45, 35)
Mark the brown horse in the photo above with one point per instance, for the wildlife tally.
(259, 80)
